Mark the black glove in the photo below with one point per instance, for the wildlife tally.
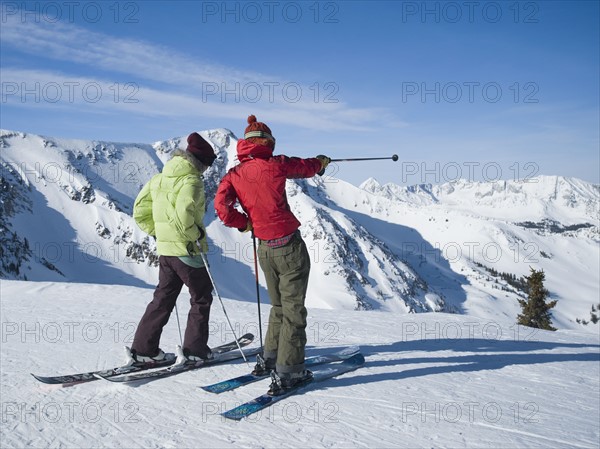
(199, 239)
(324, 163)
(248, 227)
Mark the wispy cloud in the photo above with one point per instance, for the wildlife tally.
(52, 89)
(186, 86)
(71, 43)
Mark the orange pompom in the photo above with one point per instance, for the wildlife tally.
(251, 119)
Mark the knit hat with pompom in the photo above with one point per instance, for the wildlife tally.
(257, 129)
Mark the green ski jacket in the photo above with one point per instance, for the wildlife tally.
(171, 207)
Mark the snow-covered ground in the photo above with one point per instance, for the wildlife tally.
(430, 380)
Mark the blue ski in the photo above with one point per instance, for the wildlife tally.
(235, 382)
(322, 373)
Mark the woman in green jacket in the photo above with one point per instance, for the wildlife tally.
(170, 207)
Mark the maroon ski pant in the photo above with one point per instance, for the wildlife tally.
(173, 274)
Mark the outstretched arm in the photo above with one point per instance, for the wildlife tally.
(296, 167)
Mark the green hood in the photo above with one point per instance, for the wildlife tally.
(181, 164)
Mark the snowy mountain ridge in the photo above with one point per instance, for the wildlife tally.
(544, 197)
(66, 216)
(85, 192)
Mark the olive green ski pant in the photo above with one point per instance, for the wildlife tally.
(286, 270)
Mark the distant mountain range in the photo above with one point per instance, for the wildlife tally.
(457, 247)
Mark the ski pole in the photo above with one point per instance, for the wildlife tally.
(178, 324)
(257, 292)
(394, 157)
(222, 305)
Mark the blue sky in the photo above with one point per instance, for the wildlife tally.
(478, 90)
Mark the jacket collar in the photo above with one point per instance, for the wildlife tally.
(247, 151)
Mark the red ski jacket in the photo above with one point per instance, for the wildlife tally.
(258, 183)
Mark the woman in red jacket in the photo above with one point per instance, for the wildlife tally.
(258, 184)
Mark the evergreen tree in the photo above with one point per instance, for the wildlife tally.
(593, 315)
(535, 311)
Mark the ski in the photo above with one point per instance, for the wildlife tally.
(90, 376)
(245, 379)
(244, 340)
(323, 373)
(71, 379)
(176, 369)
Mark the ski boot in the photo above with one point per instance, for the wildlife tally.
(263, 366)
(136, 359)
(185, 358)
(280, 383)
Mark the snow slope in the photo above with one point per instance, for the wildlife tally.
(430, 380)
(78, 224)
(467, 228)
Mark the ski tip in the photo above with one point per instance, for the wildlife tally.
(357, 359)
(246, 337)
(59, 380)
(38, 378)
(49, 380)
(234, 415)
